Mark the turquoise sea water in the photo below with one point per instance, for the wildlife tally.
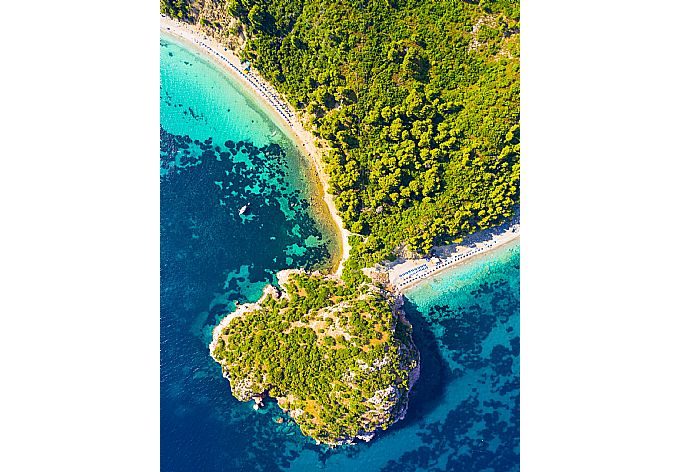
(219, 151)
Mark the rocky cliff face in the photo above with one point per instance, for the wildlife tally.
(341, 363)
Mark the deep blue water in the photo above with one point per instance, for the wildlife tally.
(219, 151)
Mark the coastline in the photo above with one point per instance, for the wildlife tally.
(387, 405)
(285, 116)
(405, 274)
(457, 264)
(240, 310)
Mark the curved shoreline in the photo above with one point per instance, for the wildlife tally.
(459, 263)
(409, 273)
(388, 404)
(269, 290)
(285, 116)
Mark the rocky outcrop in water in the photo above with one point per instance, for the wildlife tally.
(340, 361)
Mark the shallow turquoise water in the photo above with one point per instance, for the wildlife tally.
(220, 151)
(464, 411)
(199, 100)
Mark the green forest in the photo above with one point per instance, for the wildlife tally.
(417, 100)
(315, 350)
(417, 103)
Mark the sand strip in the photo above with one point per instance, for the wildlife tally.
(266, 95)
(406, 273)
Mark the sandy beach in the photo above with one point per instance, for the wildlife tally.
(407, 273)
(284, 114)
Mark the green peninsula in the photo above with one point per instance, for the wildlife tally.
(339, 360)
(414, 106)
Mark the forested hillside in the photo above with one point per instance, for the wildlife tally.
(418, 101)
(340, 360)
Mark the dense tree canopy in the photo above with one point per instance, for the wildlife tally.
(338, 358)
(418, 102)
(175, 8)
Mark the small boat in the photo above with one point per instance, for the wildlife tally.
(243, 209)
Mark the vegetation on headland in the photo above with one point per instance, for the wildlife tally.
(418, 102)
(418, 105)
(175, 8)
(338, 359)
